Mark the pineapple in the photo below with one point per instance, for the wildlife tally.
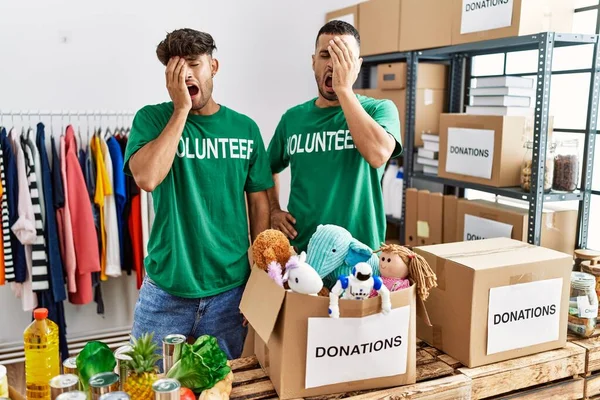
(142, 368)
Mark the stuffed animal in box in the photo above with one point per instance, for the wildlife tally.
(271, 250)
(333, 252)
(301, 277)
(358, 286)
(398, 265)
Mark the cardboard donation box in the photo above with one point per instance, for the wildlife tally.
(306, 353)
(476, 20)
(347, 14)
(481, 219)
(484, 149)
(497, 299)
(387, 26)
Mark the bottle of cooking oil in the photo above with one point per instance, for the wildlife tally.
(41, 355)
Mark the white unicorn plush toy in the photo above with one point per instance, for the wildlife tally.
(301, 277)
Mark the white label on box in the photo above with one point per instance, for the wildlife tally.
(428, 94)
(470, 152)
(483, 15)
(349, 18)
(477, 228)
(342, 350)
(524, 315)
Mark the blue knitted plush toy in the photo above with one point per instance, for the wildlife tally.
(333, 252)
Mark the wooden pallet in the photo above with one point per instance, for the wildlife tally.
(549, 375)
(591, 346)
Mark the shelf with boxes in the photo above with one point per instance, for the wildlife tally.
(418, 33)
(505, 172)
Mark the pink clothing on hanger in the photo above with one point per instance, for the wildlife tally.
(84, 230)
(65, 228)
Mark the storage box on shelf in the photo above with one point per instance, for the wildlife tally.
(478, 20)
(430, 99)
(482, 219)
(497, 299)
(482, 149)
(388, 26)
(346, 14)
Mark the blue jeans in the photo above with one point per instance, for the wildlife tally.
(164, 314)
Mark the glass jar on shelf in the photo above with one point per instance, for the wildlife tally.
(527, 167)
(583, 304)
(566, 166)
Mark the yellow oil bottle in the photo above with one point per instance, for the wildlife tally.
(42, 361)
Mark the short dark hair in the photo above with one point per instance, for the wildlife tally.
(337, 27)
(185, 43)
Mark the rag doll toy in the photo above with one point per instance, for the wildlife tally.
(271, 249)
(358, 286)
(301, 277)
(398, 266)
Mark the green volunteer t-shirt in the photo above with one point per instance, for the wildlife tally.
(199, 241)
(331, 183)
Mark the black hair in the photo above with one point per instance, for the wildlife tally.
(185, 43)
(337, 27)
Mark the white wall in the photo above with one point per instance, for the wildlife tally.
(79, 55)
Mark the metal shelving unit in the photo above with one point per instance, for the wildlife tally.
(459, 58)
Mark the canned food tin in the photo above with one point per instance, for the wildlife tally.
(115, 396)
(172, 345)
(74, 395)
(63, 384)
(121, 367)
(70, 366)
(103, 383)
(3, 382)
(166, 389)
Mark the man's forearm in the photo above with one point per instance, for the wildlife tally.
(259, 215)
(151, 164)
(273, 194)
(371, 140)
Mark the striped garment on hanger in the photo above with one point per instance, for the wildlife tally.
(8, 256)
(39, 262)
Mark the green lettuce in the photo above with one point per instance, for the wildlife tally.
(201, 365)
(95, 358)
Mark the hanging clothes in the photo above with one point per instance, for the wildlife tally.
(3, 205)
(102, 188)
(14, 251)
(24, 227)
(86, 248)
(55, 264)
(63, 217)
(118, 183)
(130, 191)
(113, 258)
(39, 262)
(87, 166)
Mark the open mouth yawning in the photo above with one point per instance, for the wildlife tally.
(193, 90)
(329, 83)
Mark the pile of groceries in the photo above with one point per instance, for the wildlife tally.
(191, 371)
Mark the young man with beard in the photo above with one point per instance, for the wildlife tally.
(337, 145)
(200, 160)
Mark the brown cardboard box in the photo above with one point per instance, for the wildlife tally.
(436, 219)
(423, 217)
(430, 104)
(388, 26)
(429, 76)
(425, 24)
(347, 14)
(450, 208)
(528, 17)
(282, 318)
(410, 219)
(559, 224)
(503, 136)
(497, 299)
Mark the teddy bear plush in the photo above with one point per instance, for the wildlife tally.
(271, 246)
